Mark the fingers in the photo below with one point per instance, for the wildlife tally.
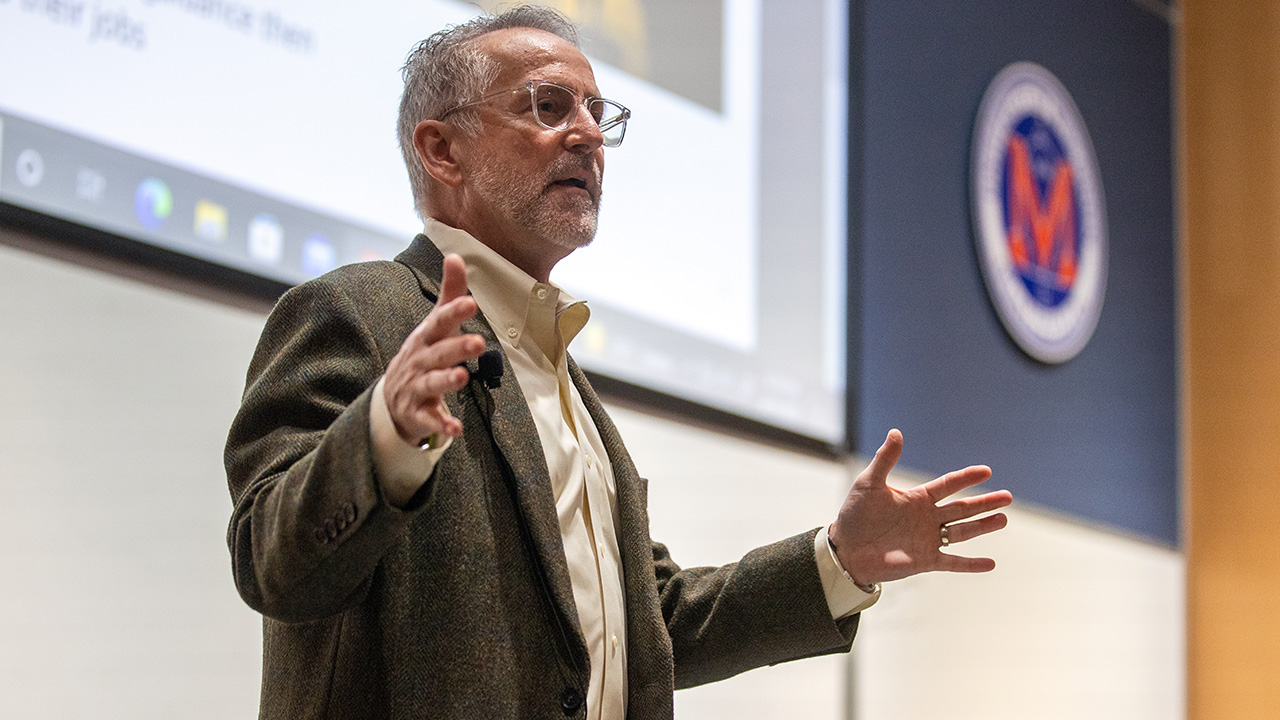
(416, 402)
(971, 506)
(443, 321)
(453, 307)
(962, 531)
(955, 481)
(424, 369)
(417, 405)
(443, 354)
(958, 563)
(886, 457)
(427, 416)
(431, 385)
(454, 283)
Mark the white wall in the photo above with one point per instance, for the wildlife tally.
(117, 599)
(118, 602)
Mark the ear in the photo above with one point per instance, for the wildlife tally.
(434, 142)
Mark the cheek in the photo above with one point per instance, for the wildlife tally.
(513, 167)
(504, 146)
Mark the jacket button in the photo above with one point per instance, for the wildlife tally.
(570, 700)
(330, 529)
(349, 512)
(321, 537)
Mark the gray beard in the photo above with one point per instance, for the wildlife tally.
(525, 201)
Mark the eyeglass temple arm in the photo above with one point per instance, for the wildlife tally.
(624, 116)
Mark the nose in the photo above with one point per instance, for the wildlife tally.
(582, 135)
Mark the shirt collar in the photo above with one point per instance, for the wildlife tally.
(507, 295)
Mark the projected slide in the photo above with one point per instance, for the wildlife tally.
(260, 135)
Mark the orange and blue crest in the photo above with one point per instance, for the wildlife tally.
(1039, 218)
(1041, 214)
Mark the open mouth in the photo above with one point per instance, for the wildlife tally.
(572, 182)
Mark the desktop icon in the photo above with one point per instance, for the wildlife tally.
(29, 168)
(153, 203)
(318, 255)
(266, 239)
(90, 184)
(211, 221)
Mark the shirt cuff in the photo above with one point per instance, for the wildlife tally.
(844, 597)
(401, 467)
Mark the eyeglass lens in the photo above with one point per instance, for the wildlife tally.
(555, 106)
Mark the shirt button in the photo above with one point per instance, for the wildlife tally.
(512, 332)
(600, 548)
(542, 293)
(614, 642)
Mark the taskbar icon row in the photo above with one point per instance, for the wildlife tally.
(65, 175)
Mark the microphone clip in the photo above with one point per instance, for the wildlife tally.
(488, 369)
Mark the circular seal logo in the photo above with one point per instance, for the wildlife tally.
(1040, 223)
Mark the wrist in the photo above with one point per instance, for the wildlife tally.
(866, 587)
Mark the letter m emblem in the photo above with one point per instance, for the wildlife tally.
(1042, 230)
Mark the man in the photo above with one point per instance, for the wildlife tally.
(425, 544)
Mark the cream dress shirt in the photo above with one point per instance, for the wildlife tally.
(535, 322)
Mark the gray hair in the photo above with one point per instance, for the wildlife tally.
(446, 70)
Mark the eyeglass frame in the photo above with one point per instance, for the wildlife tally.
(532, 87)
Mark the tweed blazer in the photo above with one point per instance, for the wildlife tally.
(458, 605)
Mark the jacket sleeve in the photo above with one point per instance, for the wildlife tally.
(310, 522)
(767, 608)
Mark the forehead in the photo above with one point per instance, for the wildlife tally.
(525, 53)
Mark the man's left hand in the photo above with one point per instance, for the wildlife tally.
(882, 533)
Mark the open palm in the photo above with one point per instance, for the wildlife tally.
(882, 533)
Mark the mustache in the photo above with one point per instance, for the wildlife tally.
(571, 165)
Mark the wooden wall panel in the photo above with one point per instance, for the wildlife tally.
(1231, 111)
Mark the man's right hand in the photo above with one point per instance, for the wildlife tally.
(425, 368)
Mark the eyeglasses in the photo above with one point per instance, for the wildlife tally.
(555, 106)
